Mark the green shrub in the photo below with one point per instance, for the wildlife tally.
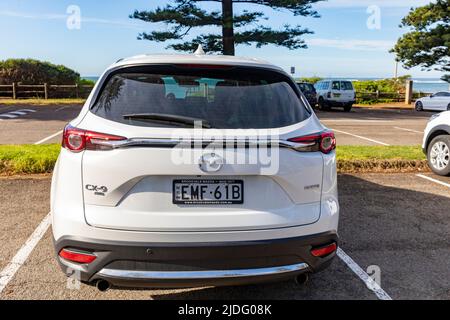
(30, 71)
(86, 82)
(312, 80)
(390, 87)
(383, 85)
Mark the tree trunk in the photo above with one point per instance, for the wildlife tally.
(227, 27)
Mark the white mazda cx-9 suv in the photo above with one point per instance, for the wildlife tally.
(194, 170)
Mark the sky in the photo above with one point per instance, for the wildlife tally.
(352, 38)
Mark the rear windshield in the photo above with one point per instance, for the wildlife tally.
(336, 85)
(226, 98)
(306, 87)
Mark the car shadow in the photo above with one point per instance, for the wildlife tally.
(403, 231)
(400, 224)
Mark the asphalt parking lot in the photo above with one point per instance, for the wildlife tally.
(362, 126)
(42, 125)
(396, 223)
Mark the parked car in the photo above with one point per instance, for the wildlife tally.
(127, 212)
(309, 91)
(439, 101)
(335, 93)
(436, 143)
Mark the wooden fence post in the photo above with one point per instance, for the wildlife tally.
(409, 92)
(45, 91)
(14, 91)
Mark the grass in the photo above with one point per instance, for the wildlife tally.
(28, 159)
(388, 105)
(353, 159)
(380, 153)
(40, 101)
(37, 159)
(369, 102)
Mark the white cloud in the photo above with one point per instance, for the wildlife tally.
(25, 15)
(49, 16)
(352, 44)
(366, 3)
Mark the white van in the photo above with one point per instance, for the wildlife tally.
(331, 93)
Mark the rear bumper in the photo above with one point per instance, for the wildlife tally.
(166, 265)
(180, 279)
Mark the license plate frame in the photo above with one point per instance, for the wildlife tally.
(208, 182)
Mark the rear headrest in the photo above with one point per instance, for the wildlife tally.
(221, 92)
(193, 99)
(158, 89)
(226, 83)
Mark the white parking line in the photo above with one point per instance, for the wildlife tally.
(361, 137)
(409, 130)
(368, 281)
(27, 110)
(49, 137)
(434, 180)
(62, 108)
(7, 274)
(8, 115)
(18, 113)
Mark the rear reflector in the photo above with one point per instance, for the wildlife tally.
(77, 256)
(324, 251)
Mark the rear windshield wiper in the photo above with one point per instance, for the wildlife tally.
(170, 118)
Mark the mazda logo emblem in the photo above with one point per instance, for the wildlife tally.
(211, 162)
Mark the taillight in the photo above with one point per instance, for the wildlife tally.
(77, 256)
(322, 141)
(77, 140)
(325, 250)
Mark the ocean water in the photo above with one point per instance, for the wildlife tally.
(92, 78)
(428, 85)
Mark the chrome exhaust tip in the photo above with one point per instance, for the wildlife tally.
(301, 279)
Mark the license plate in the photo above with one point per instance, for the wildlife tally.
(197, 191)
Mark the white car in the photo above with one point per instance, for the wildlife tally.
(439, 101)
(194, 170)
(335, 93)
(436, 143)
